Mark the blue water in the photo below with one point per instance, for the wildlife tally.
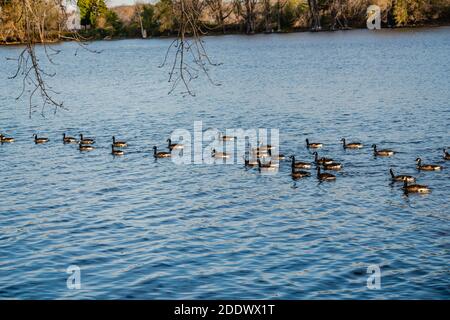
(156, 230)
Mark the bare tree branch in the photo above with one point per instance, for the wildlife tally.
(190, 57)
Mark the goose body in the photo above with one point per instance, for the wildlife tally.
(325, 176)
(67, 139)
(401, 177)
(446, 155)
(4, 139)
(267, 166)
(225, 138)
(383, 152)
(119, 144)
(314, 145)
(116, 152)
(85, 140)
(300, 164)
(297, 174)
(322, 160)
(415, 188)
(300, 174)
(352, 145)
(222, 155)
(332, 166)
(174, 146)
(160, 154)
(427, 167)
(83, 147)
(39, 140)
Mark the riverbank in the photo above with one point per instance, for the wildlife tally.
(97, 35)
(162, 18)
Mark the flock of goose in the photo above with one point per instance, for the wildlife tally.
(330, 164)
(261, 157)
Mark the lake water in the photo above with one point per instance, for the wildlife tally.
(137, 228)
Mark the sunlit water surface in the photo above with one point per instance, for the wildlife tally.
(144, 229)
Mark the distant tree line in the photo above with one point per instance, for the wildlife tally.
(255, 16)
(45, 21)
(219, 16)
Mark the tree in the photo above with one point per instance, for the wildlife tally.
(291, 12)
(164, 16)
(413, 11)
(44, 24)
(36, 21)
(196, 8)
(113, 22)
(4, 3)
(267, 10)
(148, 16)
(190, 58)
(247, 10)
(337, 12)
(217, 7)
(279, 6)
(315, 15)
(90, 11)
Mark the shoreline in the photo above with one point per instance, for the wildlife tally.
(299, 30)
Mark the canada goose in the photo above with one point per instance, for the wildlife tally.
(315, 145)
(85, 140)
(160, 154)
(222, 155)
(85, 148)
(4, 139)
(225, 138)
(174, 146)
(67, 139)
(352, 145)
(116, 152)
(325, 176)
(415, 188)
(298, 174)
(383, 152)
(267, 166)
(118, 144)
(322, 160)
(446, 155)
(299, 164)
(401, 177)
(332, 166)
(427, 167)
(39, 140)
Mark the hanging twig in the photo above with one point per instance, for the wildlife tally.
(183, 69)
